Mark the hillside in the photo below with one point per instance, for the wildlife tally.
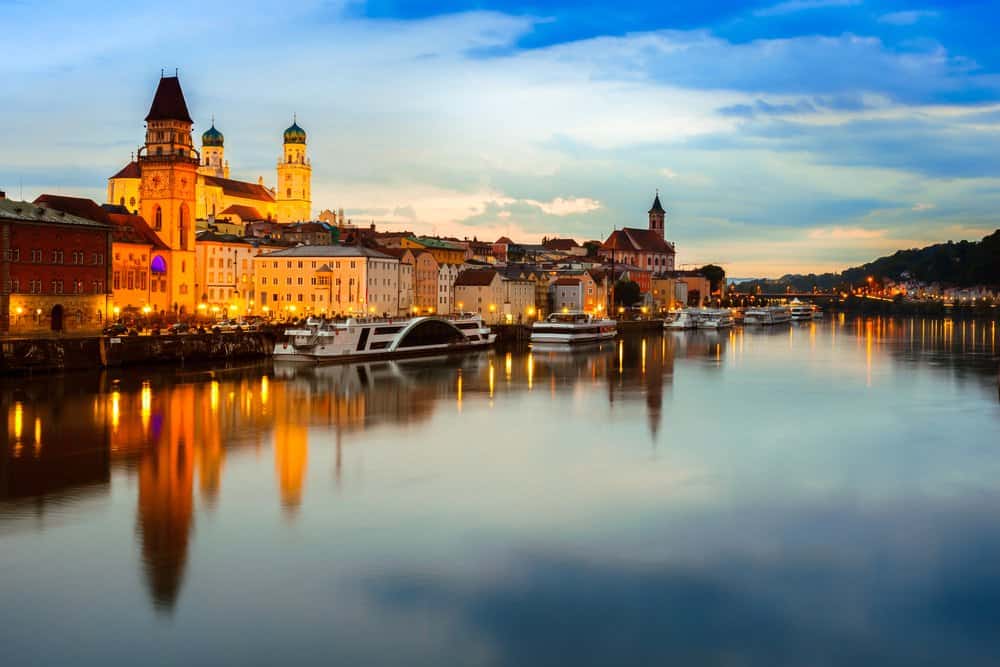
(961, 264)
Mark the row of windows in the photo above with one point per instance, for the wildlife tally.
(132, 280)
(57, 286)
(79, 257)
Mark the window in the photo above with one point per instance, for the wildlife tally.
(57, 256)
(158, 218)
(36, 256)
(116, 279)
(12, 255)
(300, 297)
(263, 281)
(57, 287)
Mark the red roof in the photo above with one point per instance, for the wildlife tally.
(502, 240)
(398, 253)
(567, 282)
(240, 188)
(168, 102)
(560, 244)
(133, 229)
(631, 239)
(131, 170)
(243, 212)
(78, 206)
(475, 278)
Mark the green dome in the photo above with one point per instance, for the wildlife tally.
(211, 137)
(295, 134)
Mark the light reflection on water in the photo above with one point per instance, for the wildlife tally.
(767, 497)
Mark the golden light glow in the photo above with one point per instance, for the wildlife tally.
(458, 391)
(643, 356)
(621, 356)
(116, 310)
(508, 365)
(147, 309)
(491, 379)
(213, 395)
(19, 310)
(18, 420)
(116, 413)
(202, 306)
(265, 388)
(38, 436)
(146, 403)
(531, 370)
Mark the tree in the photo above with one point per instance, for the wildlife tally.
(716, 276)
(592, 248)
(627, 293)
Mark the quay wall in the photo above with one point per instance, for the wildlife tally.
(27, 355)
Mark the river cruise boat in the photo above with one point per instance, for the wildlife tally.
(687, 318)
(572, 328)
(801, 311)
(767, 315)
(719, 318)
(323, 341)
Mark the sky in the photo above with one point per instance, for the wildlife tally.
(783, 136)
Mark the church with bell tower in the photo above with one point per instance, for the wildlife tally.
(294, 199)
(168, 171)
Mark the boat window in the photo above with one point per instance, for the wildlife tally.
(383, 331)
(431, 332)
(379, 345)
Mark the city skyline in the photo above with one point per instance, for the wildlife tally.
(806, 135)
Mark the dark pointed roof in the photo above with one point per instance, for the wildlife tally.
(131, 170)
(168, 102)
(78, 206)
(657, 206)
(475, 278)
(631, 239)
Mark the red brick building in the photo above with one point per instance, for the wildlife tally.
(644, 249)
(54, 270)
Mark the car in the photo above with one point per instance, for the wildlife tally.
(116, 329)
(178, 328)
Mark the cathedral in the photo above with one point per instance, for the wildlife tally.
(172, 185)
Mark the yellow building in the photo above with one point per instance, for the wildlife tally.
(224, 274)
(329, 280)
(443, 251)
(294, 178)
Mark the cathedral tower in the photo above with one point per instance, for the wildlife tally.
(213, 156)
(169, 169)
(657, 216)
(293, 189)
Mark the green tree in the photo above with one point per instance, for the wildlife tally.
(716, 276)
(627, 293)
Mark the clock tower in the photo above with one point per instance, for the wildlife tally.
(169, 167)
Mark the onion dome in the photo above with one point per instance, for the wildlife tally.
(212, 137)
(295, 134)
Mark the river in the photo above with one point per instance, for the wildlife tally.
(822, 493)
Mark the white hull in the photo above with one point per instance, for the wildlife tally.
(353, 341)
(767, 316)
(572, 329)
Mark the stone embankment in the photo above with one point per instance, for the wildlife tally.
(27, 355)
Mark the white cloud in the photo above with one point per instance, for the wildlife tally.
(560, 206)
(922, 206)
(907, 17)
(794, 6)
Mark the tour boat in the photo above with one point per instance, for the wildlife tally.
(320, 340)
(683, 319)
(801, 311)
(715, 319)
(767, 315)
(572, 327)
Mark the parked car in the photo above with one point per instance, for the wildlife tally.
(178, 328)
(116, 329)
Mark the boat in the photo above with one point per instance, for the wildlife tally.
(767, 315)
(571, 328)
(686, 318)
(320, 340)
(800, 310)
(719, 318)
(817, 313)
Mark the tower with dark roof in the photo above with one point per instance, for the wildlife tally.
(213, 155)
(293, 195)
(168, 164)
(657, 216)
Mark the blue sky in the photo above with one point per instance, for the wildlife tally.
(784, 136)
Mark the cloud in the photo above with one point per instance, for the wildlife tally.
(794, 6)
(561, 207)
(908, 17)
(846, 233)
(920, 206)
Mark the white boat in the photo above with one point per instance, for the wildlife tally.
(720, 318)
(572, 327)
(319, 340)
(682, 319)
(800, 310)
(817, 313)
(767, 315)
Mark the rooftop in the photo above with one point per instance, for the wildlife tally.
(475, 278)
(240, 188)
(23, 211)
(168, 102)
(329, 251)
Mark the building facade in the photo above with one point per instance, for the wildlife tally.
(644, 249)
(328, 280)
(54, 270)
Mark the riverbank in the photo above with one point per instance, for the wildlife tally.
(31, 355)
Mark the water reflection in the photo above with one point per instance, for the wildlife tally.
(736, 416)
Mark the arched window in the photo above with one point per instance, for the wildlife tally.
(431, 332)
(183, 227)
(158, 219)
(121, 201)
(158, 266)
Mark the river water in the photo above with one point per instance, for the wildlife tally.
(813, 494)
